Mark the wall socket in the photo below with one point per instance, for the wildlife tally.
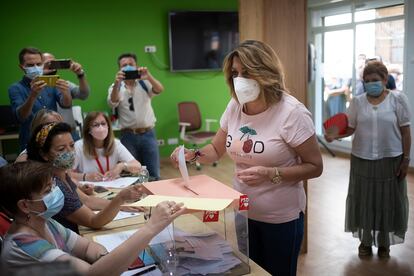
(172, 141)
(150, 49)
(161, 142)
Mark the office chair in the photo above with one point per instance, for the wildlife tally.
(77, 115)
(189, 117)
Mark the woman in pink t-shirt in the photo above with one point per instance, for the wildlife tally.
(271, 138)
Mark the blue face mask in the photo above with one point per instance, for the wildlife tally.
(374, 88)
(53, 201)
(128, 68)
(33, 71)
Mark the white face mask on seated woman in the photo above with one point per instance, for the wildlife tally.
(247, 90)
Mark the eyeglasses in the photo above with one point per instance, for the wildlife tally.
(96, 125)
(131, 104)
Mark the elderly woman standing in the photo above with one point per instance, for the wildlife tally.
(271, 138)
(377, 202)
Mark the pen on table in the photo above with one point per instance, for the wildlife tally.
(151, 268)
(111, 193)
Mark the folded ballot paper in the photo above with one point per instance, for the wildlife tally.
(205, 193)
(200, 254)
(197, 254)
(211, 204)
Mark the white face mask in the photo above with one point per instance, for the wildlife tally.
(247, 90)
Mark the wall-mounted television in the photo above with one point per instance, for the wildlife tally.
(199, 40)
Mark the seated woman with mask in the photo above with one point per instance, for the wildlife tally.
(47, 116)
(43, 116)
(99, 156)
(29, 194)
(53, 143)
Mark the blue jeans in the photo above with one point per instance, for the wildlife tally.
(275, 247)
(144, 148)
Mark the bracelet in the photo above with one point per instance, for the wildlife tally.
(197, 154)
(84, 177)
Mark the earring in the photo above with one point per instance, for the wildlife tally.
(27, 217)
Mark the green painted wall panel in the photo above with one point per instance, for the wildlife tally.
(94, 33)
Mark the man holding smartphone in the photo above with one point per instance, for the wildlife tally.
(80, 91)
(30, 94)
(131, 94)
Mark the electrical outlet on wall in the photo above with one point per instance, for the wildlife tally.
(161, 142)
(150, 49)
(172, 141)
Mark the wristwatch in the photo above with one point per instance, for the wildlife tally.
(81, 74)
(277, 178)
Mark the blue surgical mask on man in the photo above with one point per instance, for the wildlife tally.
(53, 201)
(33, 71)
(128, 68)
(374, 88)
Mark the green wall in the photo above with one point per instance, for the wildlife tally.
(94, 33)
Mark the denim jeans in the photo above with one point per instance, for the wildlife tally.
(275, 247)
(144, 148)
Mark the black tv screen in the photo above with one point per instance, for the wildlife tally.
(199, 40)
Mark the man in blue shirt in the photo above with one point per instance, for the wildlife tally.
(30, 95)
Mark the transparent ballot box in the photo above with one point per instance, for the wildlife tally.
(211, 238)
(204, 243)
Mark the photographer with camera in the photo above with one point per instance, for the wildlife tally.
(80, 91)
(35, 92)
(131, 94)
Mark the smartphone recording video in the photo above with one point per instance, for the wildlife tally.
(60, 64)
(49, 80)
(131, 75)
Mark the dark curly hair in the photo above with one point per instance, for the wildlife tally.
(35, 149)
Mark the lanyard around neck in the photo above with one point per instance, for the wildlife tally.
(100, 165)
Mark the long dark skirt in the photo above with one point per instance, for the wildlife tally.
(377, 202)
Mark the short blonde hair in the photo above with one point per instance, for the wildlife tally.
(261, 63)
(41, 117)
(88, 146)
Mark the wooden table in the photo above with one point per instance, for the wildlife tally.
(135, 223)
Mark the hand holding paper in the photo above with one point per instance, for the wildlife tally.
(193, 203)
(182, 165)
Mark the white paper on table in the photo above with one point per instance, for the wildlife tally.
(123, 215)
(155, 272)
(121, 182)
(183, 166)
(111, 241)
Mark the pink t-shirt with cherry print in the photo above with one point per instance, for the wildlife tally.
(268, 139)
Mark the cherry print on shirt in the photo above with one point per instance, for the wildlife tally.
(248, 144)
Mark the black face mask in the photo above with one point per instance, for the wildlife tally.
(50, 73)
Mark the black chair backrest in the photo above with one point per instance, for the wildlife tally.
(8, 121)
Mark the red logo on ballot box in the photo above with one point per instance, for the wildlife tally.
(210, 216)
(243, 203)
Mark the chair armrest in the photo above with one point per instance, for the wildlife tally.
(208, 121)
(183, 125)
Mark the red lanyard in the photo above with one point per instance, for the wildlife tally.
(100, 166)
